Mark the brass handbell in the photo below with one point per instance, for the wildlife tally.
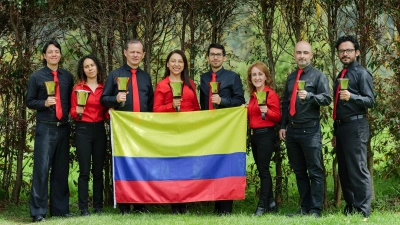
(122, 83)
(50, 88)
(214, 87)
(81, 99)
(262, 97)
(344, 83)
(301, 84)
(177, 90)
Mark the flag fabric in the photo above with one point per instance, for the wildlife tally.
(179, 157)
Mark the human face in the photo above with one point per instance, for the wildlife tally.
(346, 53)
(175, 64)
(258, 78)
(52, 55)
(90, 69)
(134, 55)
(303, 54)
(216, 58)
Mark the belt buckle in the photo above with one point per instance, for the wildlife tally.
(58, 124)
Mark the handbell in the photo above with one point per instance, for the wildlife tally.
(177, 89)
(344, 83)
(50, 88)
(214, 87)
(262, 97)
(81, 99)
(123, 83)
(301, 84)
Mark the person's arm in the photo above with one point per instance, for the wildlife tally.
(237, 97)
(159, 99)
(285, 108)
(195, 102)
(274, 109)
(150, 101)
(108, 98)
(366, 97)
(322, 97)
(203, 96)
(72, 111)
(32, 100)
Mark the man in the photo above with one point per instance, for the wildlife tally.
(351, 129)
(230, 94)
(138, 98)
(300, 128)
(51, 148)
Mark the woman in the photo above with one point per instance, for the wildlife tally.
(176, 70)
(262, 131)
(90, 136)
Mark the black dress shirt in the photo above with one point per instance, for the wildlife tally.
(318, 94)
(109, 99)
(37, 94)
(361, 92)
(230, 90)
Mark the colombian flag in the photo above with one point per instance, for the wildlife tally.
(179, 157)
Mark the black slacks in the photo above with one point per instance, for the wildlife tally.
(91, 143)
(351, 151)
(305, 154)
(262, 146)
(51, 150)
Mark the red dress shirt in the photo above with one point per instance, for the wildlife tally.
(94, 111)
(273, 115)
(163, 98)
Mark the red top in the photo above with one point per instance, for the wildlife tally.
(163, 98)
(93, 111)
(273, 115)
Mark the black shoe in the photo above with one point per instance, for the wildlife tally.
(315, 214)
(272, 208)
(301, 212)
(224, 213)
(143, 209)
(85, 212)
(348, 210)
(123, 211)
(175, 211)
(98, 210)
(38, 218)
(259, 211)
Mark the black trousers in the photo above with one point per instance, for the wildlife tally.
(262, 146)
(223, 206)
(351, 151)
(305, 154)
(91, 143)
(51, 150)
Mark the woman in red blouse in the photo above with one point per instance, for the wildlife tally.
(176, 70)
(90, 134)
(263, 135)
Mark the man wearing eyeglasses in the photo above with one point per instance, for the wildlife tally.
(230, 94)
(351, 129)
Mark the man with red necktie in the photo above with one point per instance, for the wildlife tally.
(230, 94)
(138, 98)
(351, 129)
(300, 128)
(51, 148)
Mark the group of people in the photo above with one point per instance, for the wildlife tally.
(297, 114)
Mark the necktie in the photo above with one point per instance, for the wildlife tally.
(337, 94)
(294, 94)
(213, 79)
(59, 112)
(135, 92)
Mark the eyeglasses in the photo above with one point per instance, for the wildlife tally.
(347, 51)
(218, 55)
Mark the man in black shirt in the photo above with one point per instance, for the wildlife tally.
(300, 128)
(136, 99)
(351, 129)
(230, 94)
(51, 148)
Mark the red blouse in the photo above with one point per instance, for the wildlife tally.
(273, 115)
(93, 111)
(163, 98)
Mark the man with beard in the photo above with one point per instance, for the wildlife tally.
(300, 128)
(351, 129)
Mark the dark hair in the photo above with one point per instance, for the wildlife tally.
(133, 41)
(215, 45)
(81, 73)
(46, 46)
(261, 66)
(184, 73)
(350, 38)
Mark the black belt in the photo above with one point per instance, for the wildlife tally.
(303, 125)
(351, 118)
(260, 130)
(58, 124)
